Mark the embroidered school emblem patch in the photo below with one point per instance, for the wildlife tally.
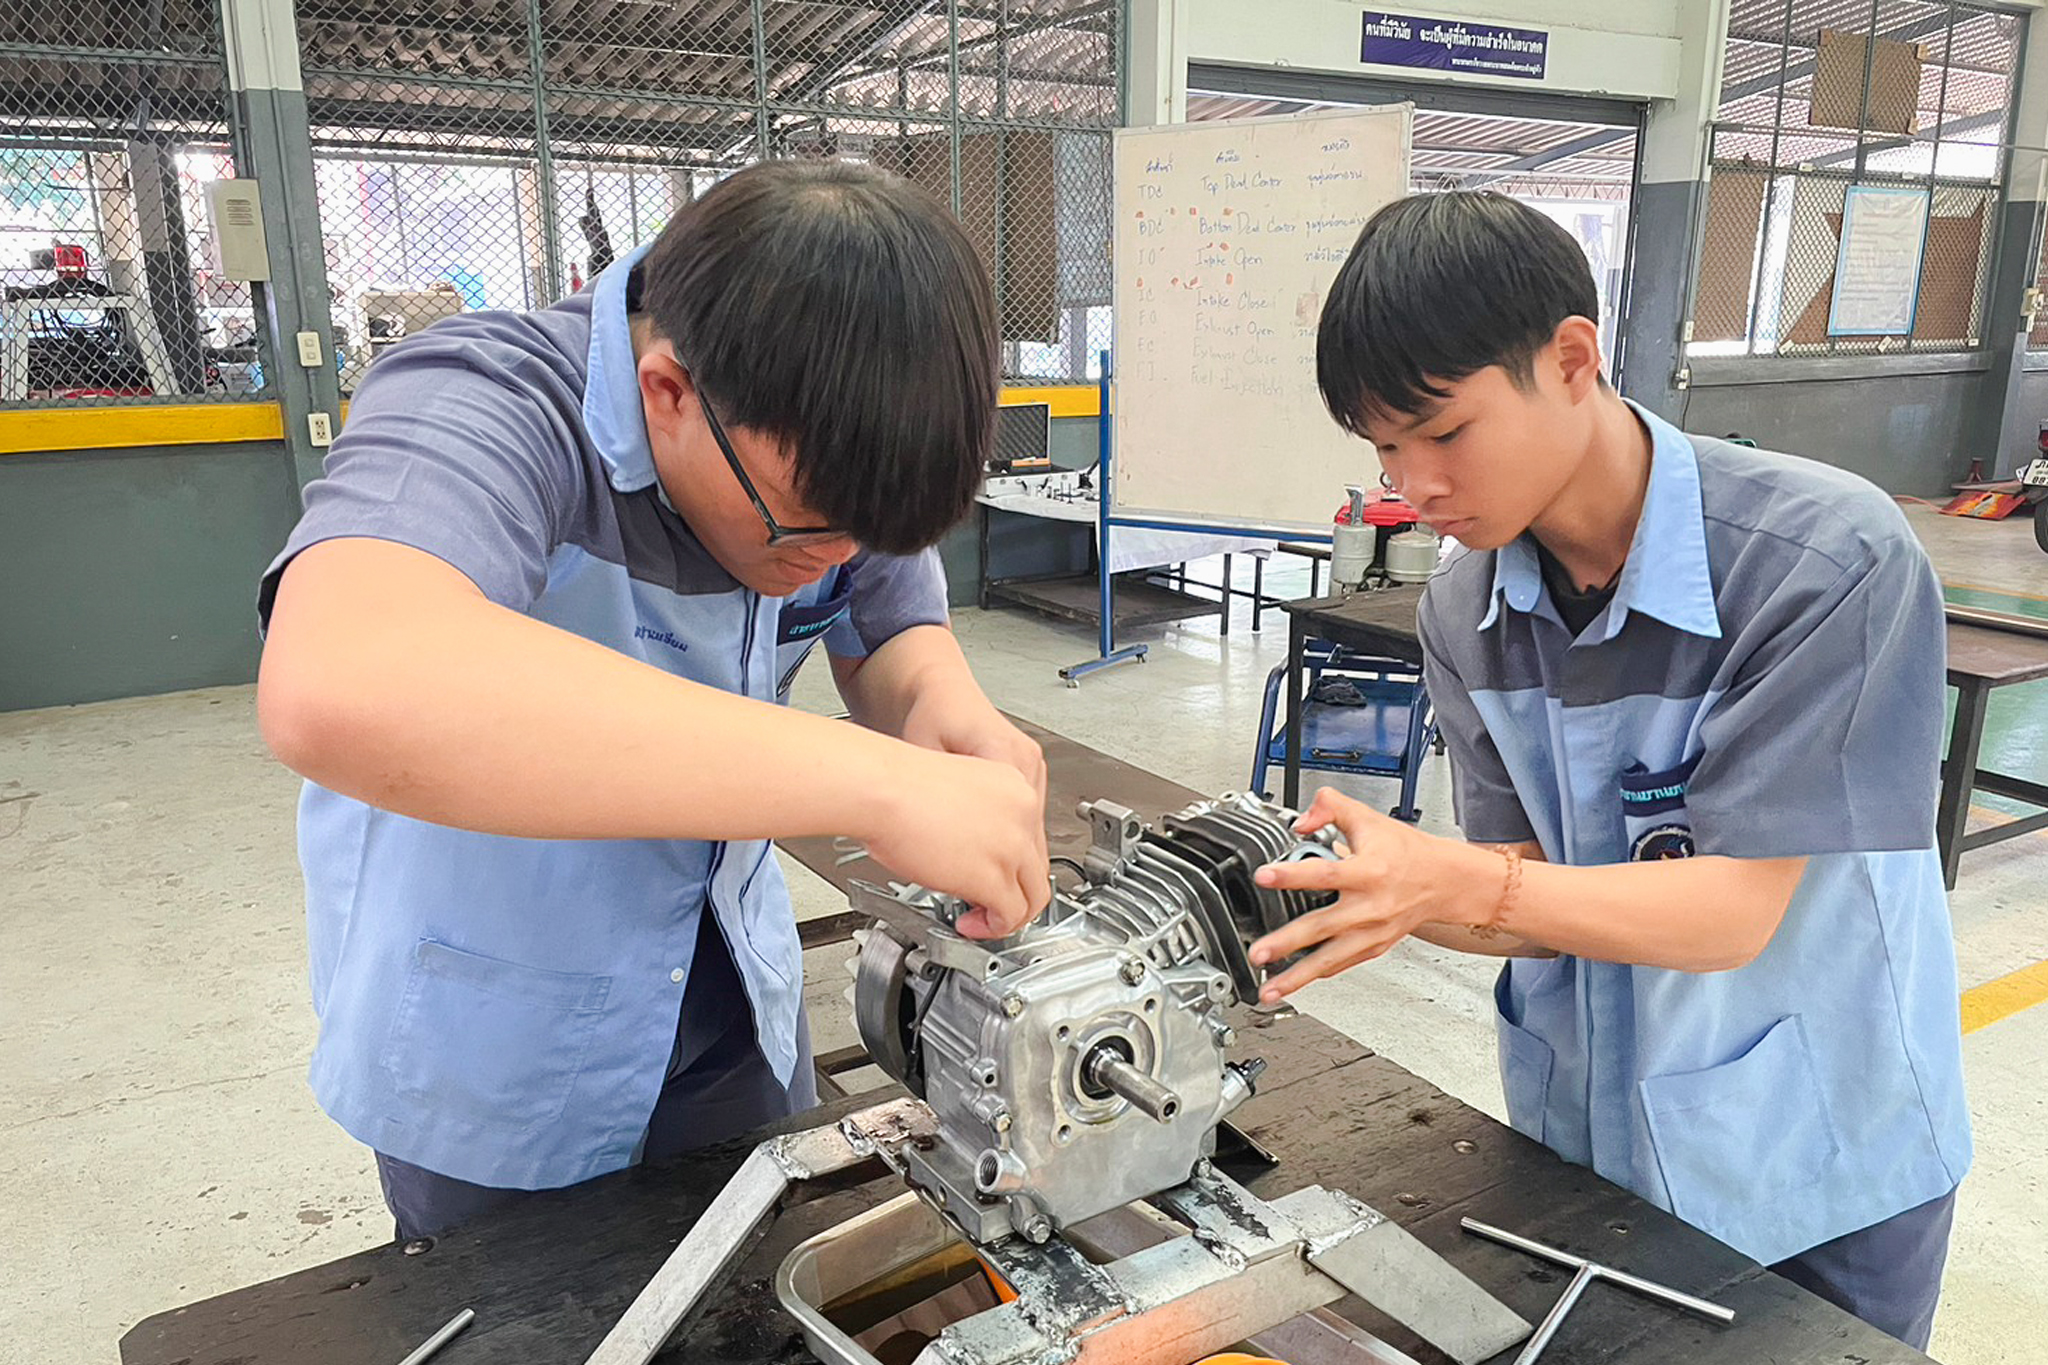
(1662, 843)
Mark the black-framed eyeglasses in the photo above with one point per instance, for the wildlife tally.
(778, 534)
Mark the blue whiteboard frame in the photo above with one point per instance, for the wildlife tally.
(1855, 195)
(1107, 653)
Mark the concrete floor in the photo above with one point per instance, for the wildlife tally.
(161, 1145)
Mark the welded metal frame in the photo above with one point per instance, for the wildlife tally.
(1245, 1267)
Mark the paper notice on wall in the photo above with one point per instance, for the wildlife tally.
(1877, 269)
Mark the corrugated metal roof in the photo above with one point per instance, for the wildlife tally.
(1966, 78)
(1464, 145)
(189, 27)
(438, 69)
(1767, 18)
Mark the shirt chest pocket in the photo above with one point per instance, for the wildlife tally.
(1653, 809)
(800, 626)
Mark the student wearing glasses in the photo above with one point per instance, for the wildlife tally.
(526, 645)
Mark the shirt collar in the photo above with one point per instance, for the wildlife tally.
(1667, 574)
(611, 391)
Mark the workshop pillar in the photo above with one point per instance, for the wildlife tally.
(2001, 430)
(167, 259)
(273, 146)
(1156, 70)
(1650, 341)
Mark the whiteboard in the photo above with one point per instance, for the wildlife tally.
(1228, 235)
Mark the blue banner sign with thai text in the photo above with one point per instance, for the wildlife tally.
(1447, 45)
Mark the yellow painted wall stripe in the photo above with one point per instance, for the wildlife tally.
(2007, 996)
(115, 427)
(30, 430)
(1067, 400)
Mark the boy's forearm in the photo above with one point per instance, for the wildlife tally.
(1696, 914)
(881, 689)
(1466, 938)
(1692, 914)
(389, 678)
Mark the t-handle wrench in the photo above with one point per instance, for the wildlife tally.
(1586, 1272)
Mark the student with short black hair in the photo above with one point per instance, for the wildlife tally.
(1692, 694)
(526, 643)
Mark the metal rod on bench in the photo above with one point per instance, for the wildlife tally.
(1676, 1298)
(1554, 1319)
(1998, 620)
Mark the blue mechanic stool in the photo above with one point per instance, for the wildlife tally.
(1359, 714)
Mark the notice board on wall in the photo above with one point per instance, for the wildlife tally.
(1877, 265)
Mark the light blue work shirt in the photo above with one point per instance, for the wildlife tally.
(1767, 681)
(504, 1010)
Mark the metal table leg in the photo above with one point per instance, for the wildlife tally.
(981, 555)
(1223, 619)
(1297, 639)
(1959, 774)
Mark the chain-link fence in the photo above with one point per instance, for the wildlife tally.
(1895, 109)
(2037, 335)
(113, 118)
(499, 153)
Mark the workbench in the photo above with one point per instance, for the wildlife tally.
(548, 1278)
(1980, 661)
(1142, 562)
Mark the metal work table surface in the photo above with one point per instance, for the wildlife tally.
(548, 1279)
(1980, 661)
(1381, 622)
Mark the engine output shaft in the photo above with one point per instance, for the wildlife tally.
(1106, 1070)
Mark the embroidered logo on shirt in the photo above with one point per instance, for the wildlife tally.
(660, 637)
(793, 630)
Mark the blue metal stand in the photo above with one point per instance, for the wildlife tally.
(1108, 655)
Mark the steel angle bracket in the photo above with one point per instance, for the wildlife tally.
(1362, 1250)
(723, 1229)
(1389, 1267)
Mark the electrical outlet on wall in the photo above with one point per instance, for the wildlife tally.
(320, 428)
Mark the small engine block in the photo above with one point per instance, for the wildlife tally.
(1080, 1064)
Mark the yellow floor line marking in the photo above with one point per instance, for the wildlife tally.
(2008, 995)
